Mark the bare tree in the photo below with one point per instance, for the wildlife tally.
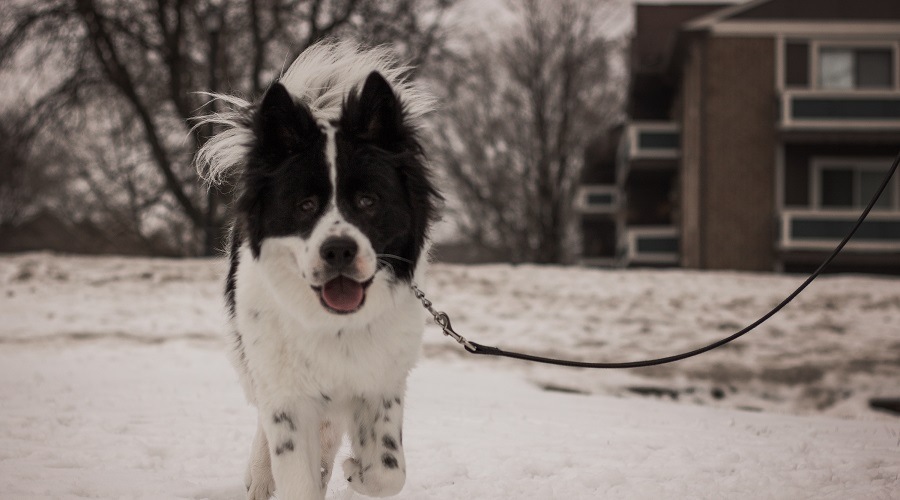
(126, 74)
(517, 118)
(25, 171)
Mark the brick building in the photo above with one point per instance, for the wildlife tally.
(756, 132)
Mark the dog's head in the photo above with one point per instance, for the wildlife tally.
(336, 204)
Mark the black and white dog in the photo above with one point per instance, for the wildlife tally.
(333, 210)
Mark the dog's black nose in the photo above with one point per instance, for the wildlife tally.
(338, 252)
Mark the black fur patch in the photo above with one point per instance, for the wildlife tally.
(389, 461)
(379, 157)
(284, 447)
(234, 257)
(389, 442)
(285, 169)
(284, 418)
(230, 287)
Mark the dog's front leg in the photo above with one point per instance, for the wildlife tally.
(258, 478)
(292, 432)
(379, 468)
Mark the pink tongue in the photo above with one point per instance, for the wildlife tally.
(343, 294)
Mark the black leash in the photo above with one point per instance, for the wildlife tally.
(443, 320)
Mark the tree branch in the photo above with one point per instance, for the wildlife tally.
(107, 55)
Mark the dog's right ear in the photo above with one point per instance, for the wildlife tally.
(282, 126)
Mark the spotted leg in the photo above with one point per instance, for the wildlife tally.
(379, 467)
(330, 437)
(258, 479)
(293, 434)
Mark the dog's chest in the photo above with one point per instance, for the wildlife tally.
(349, 360)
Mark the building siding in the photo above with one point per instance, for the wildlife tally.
(689, 217)
(738, 171)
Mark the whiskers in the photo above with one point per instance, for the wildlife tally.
(389, 256)
(383, 264)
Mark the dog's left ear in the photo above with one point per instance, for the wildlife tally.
(375, 114)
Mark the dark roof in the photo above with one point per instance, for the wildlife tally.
(650, 96)
(658, 26)
(660, 29)
(655, 29)
(822, 10)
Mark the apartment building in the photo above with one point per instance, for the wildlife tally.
(756, 132)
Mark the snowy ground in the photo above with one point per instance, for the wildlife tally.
(113, 384)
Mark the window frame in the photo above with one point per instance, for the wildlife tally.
(586, 190)
(857, 165)
(815, 55)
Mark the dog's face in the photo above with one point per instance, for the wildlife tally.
(337, 204)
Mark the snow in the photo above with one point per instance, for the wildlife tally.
(114, 384)
(833, 348)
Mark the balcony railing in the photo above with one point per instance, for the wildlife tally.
(857, 109)
(598, 199)
(652, 245)
(653, 140)
(599, 262)
(808, 229)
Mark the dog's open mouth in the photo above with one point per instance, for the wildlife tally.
(343, 295)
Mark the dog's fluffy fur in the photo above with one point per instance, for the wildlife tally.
(334, 202)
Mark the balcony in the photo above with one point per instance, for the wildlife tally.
(831, 110)
(808, 229)
(653, 140)
(598, 199)
(654, 245)
(649, 145)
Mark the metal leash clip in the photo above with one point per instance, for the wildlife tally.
(442, 319)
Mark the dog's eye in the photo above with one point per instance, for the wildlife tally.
(308, 205)
(366, 200)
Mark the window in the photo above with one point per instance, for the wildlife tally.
(837, 187)
(851, 184)
(856, 67)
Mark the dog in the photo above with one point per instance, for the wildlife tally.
(334, 201)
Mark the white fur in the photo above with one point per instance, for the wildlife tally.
(321, 78)
(330, 153)
(296, 352)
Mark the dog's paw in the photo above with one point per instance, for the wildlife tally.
(260, 486)
(373, 481)
(353, 470)
(261, 490)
